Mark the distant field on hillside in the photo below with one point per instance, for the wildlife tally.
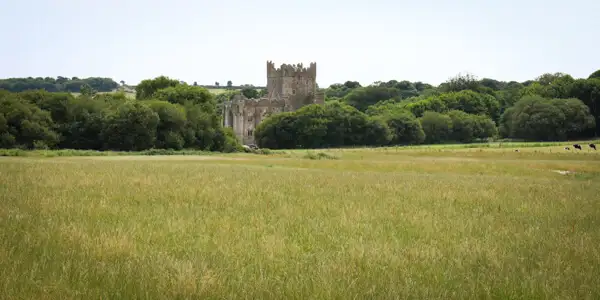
(223, 90)
(426, 222)
(132, 94)
(217, 91)
(128, 94)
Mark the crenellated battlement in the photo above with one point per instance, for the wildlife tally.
(291, 70)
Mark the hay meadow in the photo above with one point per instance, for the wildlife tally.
(389, 223)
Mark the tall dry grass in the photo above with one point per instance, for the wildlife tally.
(373, 224)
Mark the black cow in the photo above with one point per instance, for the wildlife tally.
(593, 146)
(567, 148)
(577, 146)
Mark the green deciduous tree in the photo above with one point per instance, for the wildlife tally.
(86, 121)
(588, 91)
(188, 95)
(87, 90)
(362, 98)
(405, 128)
(147, 88)
(316, 126)
(466, 128)
(24, 125)
(466, 100)
(461, 82)
(250, 92)
(538, 118)
(386, 107)
(437, 127)
(131, 127)
(339, 90)
(596, 74)
(171, 126)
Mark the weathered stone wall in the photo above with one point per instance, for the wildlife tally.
(244, 115)
(289, 88)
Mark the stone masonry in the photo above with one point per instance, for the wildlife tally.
(289, 88)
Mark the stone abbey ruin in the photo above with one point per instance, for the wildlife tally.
(289, 88)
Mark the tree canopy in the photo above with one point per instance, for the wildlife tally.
(167, 116)
(167, 113)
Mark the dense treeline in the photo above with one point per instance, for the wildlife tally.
(315, 126)
(170, 114)
(59, 84)
(463, 109)
(173, 117)
(337, 124)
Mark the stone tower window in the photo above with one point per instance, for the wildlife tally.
(294, 92)
(250, 132)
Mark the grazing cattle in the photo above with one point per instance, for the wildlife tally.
(517, 150)
(593, 146)
(577, 146)
(567, 148)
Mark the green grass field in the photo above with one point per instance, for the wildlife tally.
(223, 90)
(132, 94)
(444, 222)
(217, 91)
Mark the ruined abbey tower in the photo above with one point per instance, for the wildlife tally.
(289, 88)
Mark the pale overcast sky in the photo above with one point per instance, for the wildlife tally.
(366, 41)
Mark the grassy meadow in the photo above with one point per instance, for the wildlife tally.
(131, 94)
(218, 91)
(435, 222)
